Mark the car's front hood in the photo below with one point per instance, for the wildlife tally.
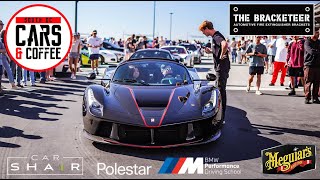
(106, 52)
(151, 106)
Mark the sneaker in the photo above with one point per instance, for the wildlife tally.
(33, 85)
(315, 101)
(271, 84)
(72, 75)
(52, 78)
(281, 84)
(248, 89)
(307, 101)
(258, 93)
(97, 72)
(24, 84)
(1, 92)
(14, 86)
(292, 92)
(19, 85)
(42, 81)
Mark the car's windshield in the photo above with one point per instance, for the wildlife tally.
(151, 72)
(190, 47)
(178, 50)
(150, 54)
(106, 44)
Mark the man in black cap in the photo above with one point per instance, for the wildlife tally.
(94, 44)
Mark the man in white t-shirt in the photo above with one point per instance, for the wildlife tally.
(94, 43)
(280, 60)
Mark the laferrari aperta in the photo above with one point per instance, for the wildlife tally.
(152, 103)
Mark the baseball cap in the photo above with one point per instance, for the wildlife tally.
(1, 23)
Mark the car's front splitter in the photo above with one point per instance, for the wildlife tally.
(114, 142)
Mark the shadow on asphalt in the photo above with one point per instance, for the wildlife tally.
(239, 141)
(279, 131)
(297, 95)
(10, 132)
(14, 107)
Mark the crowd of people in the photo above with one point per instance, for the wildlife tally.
(294, 56)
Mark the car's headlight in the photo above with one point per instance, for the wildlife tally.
(210, 108)
(95, 107)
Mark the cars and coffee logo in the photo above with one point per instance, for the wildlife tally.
(199, 165)
(45, 165)
(38, 37)
(289, 159)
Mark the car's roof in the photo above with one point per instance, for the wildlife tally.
(187, 44)
(162, 50)
(172, 46)
(149, 59)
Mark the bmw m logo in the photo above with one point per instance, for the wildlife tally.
(152, 119)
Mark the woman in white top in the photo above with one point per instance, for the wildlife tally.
(74, 55)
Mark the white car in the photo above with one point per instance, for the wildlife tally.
(110, 55)
(63, 68)
(195, 52)
(106, 56)
(182, 53)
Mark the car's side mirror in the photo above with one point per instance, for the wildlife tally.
(211, 77)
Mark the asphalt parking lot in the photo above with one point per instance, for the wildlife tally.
(47, 120)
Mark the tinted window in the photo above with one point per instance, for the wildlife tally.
(190, 47)
(150, 54)
(178, 50)
(156, 73)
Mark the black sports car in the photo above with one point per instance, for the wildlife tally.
(152, 53)
(152, 104)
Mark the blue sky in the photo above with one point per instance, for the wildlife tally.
(118, 18)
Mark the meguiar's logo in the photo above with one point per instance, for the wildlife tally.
(289, 159)
(38, 37)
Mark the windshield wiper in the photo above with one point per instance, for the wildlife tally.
(135, 81)
(117, 80)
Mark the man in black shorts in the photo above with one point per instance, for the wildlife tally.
(257, 52)
(94, 44)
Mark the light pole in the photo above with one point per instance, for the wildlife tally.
(154, 18)
(170, 24)
(76, 17)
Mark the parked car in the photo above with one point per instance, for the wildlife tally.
(106, 56)
(181, 52)
(195, 52)
(63, 68)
